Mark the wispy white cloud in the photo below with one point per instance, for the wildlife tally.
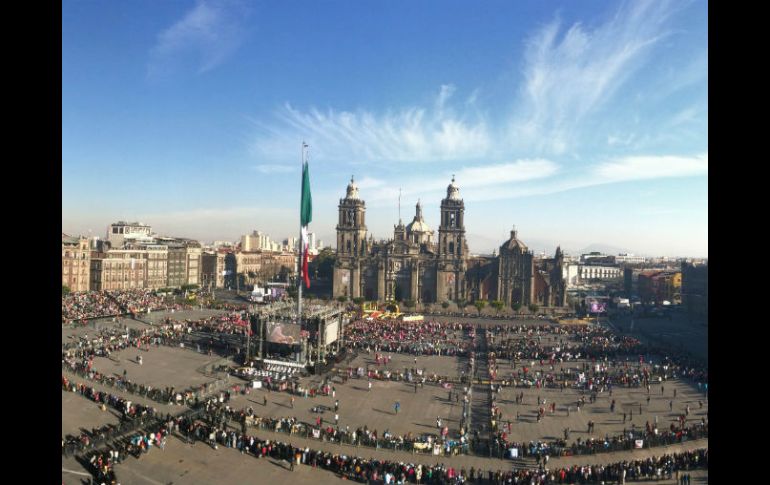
(529, 178)
(411, 134)
(686, 116)
(651, 167)
(478, 179)
(619, 140)
(206, 36)
(572, 74)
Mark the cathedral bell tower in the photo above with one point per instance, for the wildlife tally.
(452, 249)
(351, 244)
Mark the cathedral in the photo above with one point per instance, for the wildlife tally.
(417, 265)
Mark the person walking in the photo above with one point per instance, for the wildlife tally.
(264, 400)
(397, 406)
(370, 386)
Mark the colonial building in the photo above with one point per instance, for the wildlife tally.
(75, 263)
(118, 269)
(416, 265)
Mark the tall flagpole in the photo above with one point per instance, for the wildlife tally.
(300, 247)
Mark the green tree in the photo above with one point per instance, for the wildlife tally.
(516, 307)
(479, 304)
(497, 305)
(461, 303)
(359, 300)
(342, 299)
(65, 290)
(445, 305)
(322, 265)
(392, 306)
(533, 308)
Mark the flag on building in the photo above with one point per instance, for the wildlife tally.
(306, 215)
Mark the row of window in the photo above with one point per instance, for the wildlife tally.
(73, 255)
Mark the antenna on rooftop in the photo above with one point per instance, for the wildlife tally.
(399, 205)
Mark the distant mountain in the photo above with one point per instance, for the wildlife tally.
(604, 249)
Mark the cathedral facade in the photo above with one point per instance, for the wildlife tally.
(418, 265)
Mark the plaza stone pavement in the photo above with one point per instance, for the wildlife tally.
(199, 464)
(77, 412)
(375, 408)
(161, 366)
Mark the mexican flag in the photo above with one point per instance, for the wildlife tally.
(306, 215)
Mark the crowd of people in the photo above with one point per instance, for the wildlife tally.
(97, 304)
(415, 338)
(210, 427)
(602, 360)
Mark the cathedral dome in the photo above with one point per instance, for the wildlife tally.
(418, 224)
(352, 191)
(514, 242)
(453, 191)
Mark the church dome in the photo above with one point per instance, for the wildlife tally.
(352, 191)
(453, 191)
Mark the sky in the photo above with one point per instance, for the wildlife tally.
(581, 123)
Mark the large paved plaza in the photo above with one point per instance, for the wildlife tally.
(181, 463)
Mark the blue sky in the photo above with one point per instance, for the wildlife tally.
(579, 122)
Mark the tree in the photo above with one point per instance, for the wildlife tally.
(516, 307)
(322, 265)
(497, 305)
(445, 305)
(533, 308)
(359, 300)
(284, 272)
(65, 290)
(461, 303)
(190, 287)
(392, 307)
(342, 299)
(479, 304)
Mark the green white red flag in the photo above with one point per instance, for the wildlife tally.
(306, 215)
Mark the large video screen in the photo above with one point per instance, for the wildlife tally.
(283, 333)
(596, 305)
